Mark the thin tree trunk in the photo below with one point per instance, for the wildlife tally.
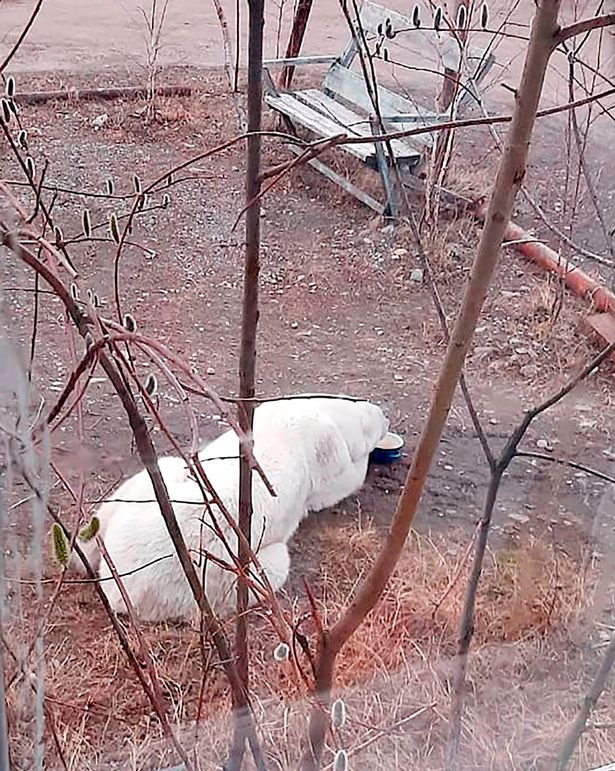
(443, 147)
(466, 625)
(295, 40)
(450, 86)
(510, 175)
(247, 362)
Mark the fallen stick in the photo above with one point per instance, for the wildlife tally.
(91, 94)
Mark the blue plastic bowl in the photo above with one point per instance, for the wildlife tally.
(388, 449)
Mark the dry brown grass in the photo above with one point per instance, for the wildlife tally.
(526, 591)
(469, 180)
(526, 673)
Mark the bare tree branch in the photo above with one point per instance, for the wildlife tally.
(587, 705)
(564, 462)
(585, 25)
(466, 625)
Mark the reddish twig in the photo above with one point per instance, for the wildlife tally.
(146, 658)
(585, 25)
(147, 454)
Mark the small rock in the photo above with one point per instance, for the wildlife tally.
(211, 371)
(416, 276)
(482, 351)
(544, 444)
(294, 325)
(522, 519)
(99, 121)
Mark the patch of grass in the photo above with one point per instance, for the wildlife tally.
(526, 673)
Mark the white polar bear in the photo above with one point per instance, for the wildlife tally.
(314, 452)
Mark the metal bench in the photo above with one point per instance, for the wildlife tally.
(343, 103)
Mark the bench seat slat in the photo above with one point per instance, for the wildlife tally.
(356, 124)
(326, 118)
(298, 61)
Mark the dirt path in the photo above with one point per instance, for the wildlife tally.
(80, 37)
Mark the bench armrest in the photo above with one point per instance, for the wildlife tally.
(298, 61)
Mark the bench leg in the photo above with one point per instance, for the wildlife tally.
(341, 181)
(391, 209)
(290, 126)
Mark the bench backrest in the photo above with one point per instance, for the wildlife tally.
(373, 18)
(438, 50)
(349, 87)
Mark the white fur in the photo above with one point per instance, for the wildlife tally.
(313, 451)
(132, 494)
